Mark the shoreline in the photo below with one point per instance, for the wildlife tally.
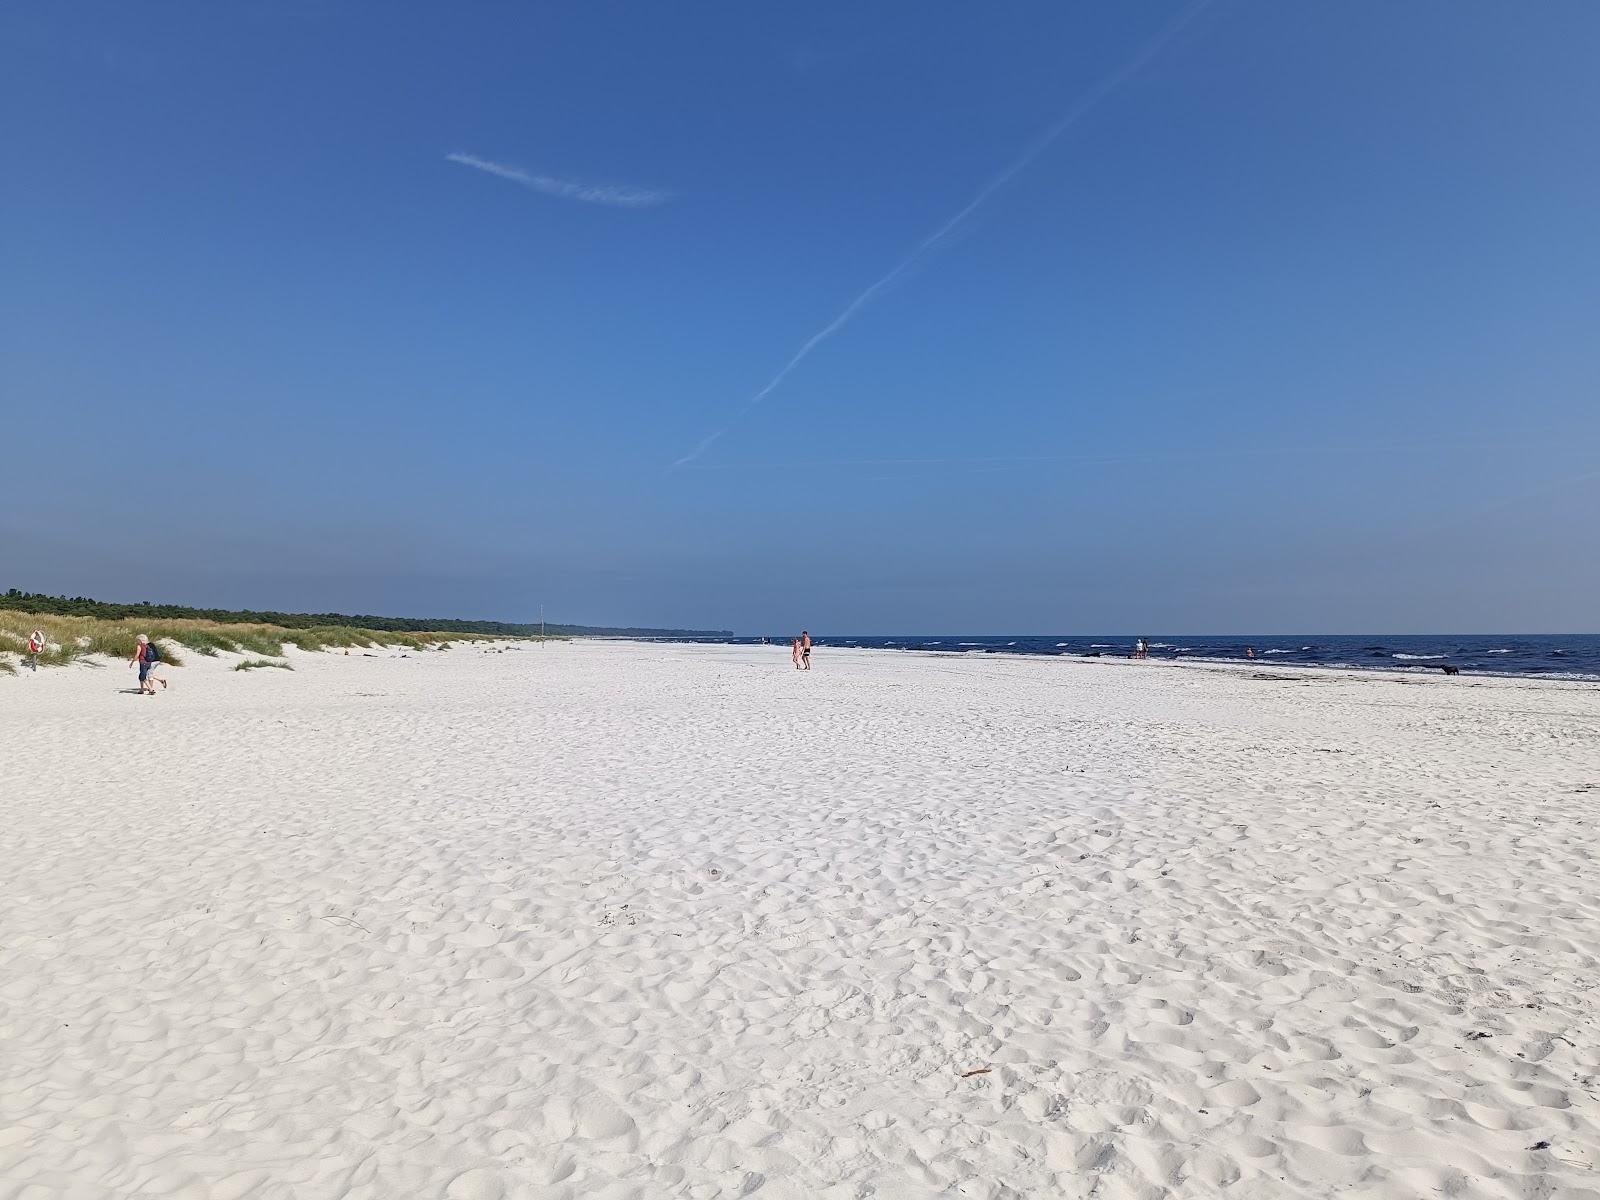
(1411, 672)
(1262, 671)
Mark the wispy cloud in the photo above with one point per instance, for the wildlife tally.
(610, 195)
(930, 243)
(705, 444)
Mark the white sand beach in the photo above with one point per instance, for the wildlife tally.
(610, 920)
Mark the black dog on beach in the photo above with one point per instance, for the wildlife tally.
(1449, 670)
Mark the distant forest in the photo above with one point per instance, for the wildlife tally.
(82, 606)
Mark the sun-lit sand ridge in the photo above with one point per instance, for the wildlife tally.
(606, 920)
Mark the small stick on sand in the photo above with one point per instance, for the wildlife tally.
(349, 920)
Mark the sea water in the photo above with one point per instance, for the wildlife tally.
(1556, 656)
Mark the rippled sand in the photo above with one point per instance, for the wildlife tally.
(612, 920)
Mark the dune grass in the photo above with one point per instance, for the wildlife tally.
(250, 664)
(72, 638)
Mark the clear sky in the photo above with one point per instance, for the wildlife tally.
(1250, 317)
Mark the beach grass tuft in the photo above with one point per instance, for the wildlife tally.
(251, 664)
(70, 638)
(256, 641)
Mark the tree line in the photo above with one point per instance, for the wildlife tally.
(83, 606)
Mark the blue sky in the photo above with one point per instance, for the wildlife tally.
(412, 310)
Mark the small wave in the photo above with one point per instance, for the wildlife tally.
(1417, 657)
(1061, 644)
(1101, 646)
(1500, 652)
(969, 643)
(935, 643)
(1277, 651)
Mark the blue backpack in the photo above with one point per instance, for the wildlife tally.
(151, 654)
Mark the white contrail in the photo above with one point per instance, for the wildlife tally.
(705, 444)
(567, 189)
(1073, 115)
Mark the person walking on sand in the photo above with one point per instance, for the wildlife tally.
(145, 657)
(805, 649)
(795, 645)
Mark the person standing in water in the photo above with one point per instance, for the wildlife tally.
(805, 649)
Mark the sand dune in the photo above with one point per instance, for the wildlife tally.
(614, 920)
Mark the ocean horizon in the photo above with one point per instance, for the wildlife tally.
(1538, 656)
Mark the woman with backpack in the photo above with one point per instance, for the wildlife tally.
(145, 657)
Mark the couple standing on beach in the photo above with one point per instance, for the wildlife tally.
(802, 651)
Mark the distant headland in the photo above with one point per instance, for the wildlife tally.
(82, 606)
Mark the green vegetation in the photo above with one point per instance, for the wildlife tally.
(251, 664)
(82, 606)
(73, 637)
